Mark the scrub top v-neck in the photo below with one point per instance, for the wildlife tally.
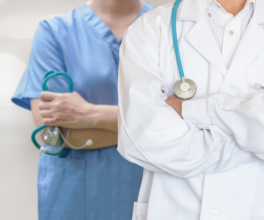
(87, 184)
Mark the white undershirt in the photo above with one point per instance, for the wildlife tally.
(228, 30)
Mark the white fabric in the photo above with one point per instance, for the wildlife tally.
(208, 165)
(228, 29)
(139, 211)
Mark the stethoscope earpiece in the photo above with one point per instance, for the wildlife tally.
(89, 143)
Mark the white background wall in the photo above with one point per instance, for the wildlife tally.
(18, 157)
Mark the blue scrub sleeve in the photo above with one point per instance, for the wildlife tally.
(45, 55)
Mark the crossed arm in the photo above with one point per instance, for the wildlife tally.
(85, 120)
(218, 133)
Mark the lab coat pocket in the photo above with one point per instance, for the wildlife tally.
(140, 211)
(61, 188)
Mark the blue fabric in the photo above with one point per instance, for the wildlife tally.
(87, 184)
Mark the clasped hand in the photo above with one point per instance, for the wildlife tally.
(68, 110)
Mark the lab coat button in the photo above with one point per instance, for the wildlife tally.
(231, 33)
(214, 214)
(209, 14)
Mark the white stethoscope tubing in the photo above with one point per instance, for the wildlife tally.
(87, 144)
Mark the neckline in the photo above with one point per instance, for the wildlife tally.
(102, 28)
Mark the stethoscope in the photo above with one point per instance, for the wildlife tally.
(184, 88)
(52, 134)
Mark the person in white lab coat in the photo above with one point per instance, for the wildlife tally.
(204, 157)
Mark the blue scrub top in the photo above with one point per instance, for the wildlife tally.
(88, 184)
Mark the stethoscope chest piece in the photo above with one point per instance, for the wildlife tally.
(51, 135)
(184, 88)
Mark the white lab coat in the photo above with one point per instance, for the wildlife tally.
(222, 134)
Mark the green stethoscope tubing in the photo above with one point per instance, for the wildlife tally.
(33, 138)
(48, 76)
(175, 40)
(52, 74)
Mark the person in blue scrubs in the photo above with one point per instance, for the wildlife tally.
(95, 183)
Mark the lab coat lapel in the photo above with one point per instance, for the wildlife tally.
(251, 44)
(202, 38)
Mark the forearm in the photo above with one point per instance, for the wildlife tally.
(101, 138)
(103, 117)
(239, 117)
(72, 111)
(163, 144)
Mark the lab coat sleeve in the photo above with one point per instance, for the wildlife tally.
(151, 133)
(241, 118)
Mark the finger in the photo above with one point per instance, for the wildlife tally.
(45, 106)
(49, 121)
(52, 122)
(47, 96)
(47, 114)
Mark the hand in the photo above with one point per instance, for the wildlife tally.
(66, 110)
(176, 104)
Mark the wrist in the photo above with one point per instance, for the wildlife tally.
(195, 111)
(90, 116)
(102, 116)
